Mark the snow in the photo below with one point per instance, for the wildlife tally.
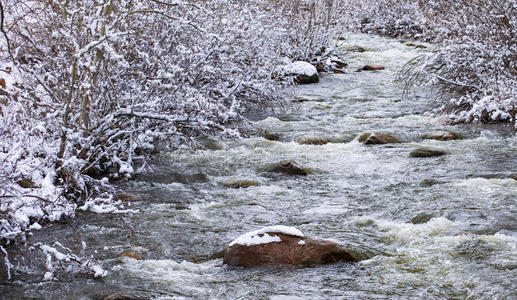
(261, 236)
(99, 271)
(301, 242)
(300, 68)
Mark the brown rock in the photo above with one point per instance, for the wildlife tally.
(288, 167)
(291, 250)
(26, 183)
(378, 139)
(312, 140)
(440, 136)
(272, 136)
(427, 152)
(128, 198)
(372, 67)
(355, 49)
(132, 254)
(240, 184)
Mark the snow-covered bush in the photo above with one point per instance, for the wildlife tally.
(393, 18)
(92, 88)
(477, 64)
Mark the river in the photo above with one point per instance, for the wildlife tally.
(360, 196)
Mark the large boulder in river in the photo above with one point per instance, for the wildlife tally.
(375, 138)
(303, 71)
(288, 167)
(427, 152)
(440, 136)
(282, 245)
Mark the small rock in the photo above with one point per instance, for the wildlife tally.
(210, 143)
(440, 136)
(421, 218)
(132, 254)
(372, 67)
(291, 118)
(272, 136)
(312, 140)
(26, 183)
(427, 152)
(355, 49)
(419, 46)
(378, 139)
(309, 99)
(287, 250)
(288, 167)
(337, 63)
(128, 198)
(241, 184)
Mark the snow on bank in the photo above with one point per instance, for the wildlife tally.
(261, 236)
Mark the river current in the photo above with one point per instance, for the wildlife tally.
(464, 245)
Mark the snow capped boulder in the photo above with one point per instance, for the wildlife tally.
(305, 72)
(283, 245)
(378, 139)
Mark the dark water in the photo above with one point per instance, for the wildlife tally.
(360, 196)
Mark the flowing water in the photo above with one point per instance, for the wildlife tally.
(360, 196)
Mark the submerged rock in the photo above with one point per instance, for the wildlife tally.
(304, 72)
(421, 218)
(312, 140)
(378, 139)
(241, 184)
(210, 143)
(128, 198)
(372, 67)
(441, 136)
(273, 246)
(271, 136)
(355, 49)
(288, 167)
(427, 152)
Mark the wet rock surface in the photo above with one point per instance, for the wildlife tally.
(287, 167)
(312, 140)
(440, 136)
(378, 139)
(291, 250)
(427, 152)
(372, 67)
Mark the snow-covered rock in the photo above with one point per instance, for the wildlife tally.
(305, 72)
(282, 245)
